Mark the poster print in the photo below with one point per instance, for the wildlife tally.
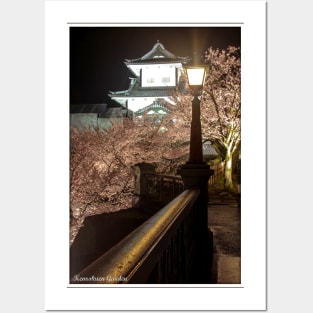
(163, 271)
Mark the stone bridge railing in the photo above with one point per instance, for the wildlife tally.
(152, 187)
(162, 188)
(170, 247)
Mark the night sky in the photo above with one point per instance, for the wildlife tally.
(97, 54)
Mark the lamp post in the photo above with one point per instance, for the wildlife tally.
(195, 173)
(196, 76)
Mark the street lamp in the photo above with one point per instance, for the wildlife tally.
(195, 174)
(196, 76)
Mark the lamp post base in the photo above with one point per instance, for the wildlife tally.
(197, 175)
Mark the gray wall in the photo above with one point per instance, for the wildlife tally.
(81, 120)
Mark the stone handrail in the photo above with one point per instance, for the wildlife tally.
(161, 250)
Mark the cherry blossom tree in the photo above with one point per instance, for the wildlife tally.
(101, 160)
(221, 105)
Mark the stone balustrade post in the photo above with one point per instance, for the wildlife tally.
(140, 183)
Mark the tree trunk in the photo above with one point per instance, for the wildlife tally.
(228, 171)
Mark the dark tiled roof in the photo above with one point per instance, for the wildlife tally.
(208, 149)
(155, 106)
(88, 108)
(157, 61)
(158, 54)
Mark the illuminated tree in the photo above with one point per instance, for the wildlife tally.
(101, 160)
(221, 105)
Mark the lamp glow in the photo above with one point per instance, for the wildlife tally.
(196, 76)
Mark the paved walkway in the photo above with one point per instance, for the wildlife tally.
(224, 222)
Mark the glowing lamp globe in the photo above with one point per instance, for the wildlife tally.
(196, 76)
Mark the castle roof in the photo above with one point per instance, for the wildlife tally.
(158, 54)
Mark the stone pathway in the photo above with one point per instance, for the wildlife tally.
(224, 222)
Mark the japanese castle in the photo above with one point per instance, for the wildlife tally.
(156, 77)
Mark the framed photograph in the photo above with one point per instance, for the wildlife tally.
(113, 61)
